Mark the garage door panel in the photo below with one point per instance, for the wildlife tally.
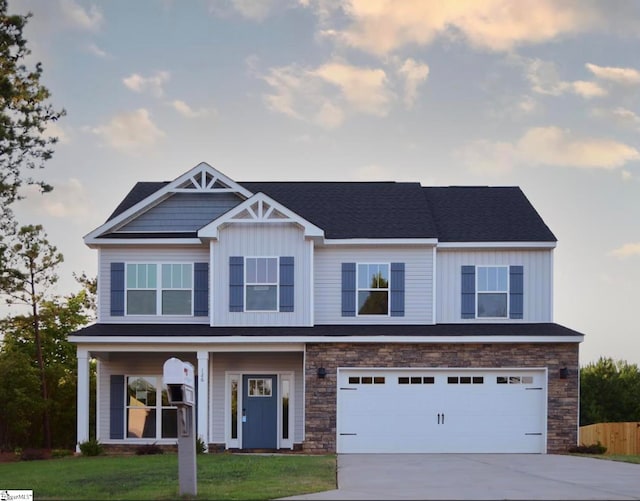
(441, 411)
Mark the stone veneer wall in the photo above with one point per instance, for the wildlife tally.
(320, 394)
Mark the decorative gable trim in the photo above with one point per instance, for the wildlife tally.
(260, 208)
(201, 179)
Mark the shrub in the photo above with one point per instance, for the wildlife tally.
(34, 454)
(149, 449)
(91, 447)
(589, 449)
(61, 453)
(201, 447)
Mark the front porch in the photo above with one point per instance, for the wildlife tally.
(247, 396)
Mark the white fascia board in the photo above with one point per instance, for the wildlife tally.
(211, 230)
(497, 245)
(96, 243)
(380, 241)
(151, 343)
(176, 343)
(160, 194)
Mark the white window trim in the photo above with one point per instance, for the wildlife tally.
(478, 293)
(158, 289)
(388, 289)
(276, 283)
(158, 407)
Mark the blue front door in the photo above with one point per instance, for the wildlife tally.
(259, 412)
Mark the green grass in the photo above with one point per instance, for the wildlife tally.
(614, 457)
(220, 476)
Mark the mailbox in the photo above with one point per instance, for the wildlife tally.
(178, 377)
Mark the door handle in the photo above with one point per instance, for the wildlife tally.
(443, 418)
(438, 418)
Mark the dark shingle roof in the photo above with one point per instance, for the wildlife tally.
(397, 210)
(160, 330)
(356, 210)
(485, 214)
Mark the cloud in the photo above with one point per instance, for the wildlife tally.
(385, 26)
(153, 84)
(414, 74)
(544, 79)
(53, 129)
(68, 200)
(626, 251)
(130, 132)
(77, 16)
(254, 10)
(622, 116)
(97, 51)
(186, 111)
(622, 76)
(329, 94)
(549, 146)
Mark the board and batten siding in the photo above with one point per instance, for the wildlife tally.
(256, 363)
(538, 282)
(147, 254)
(418, 293)
(128, 364)
(183, 212)
(262, 240)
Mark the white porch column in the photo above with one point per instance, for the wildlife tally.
(83, 397)
(203, 396)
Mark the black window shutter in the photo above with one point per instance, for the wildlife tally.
(117, 289)
(397, 289)
(116, 407)
(348, 289)
(236, 283)
(516, 292)
(201, 289)
(468, 300)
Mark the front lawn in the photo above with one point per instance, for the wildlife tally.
(220, 476)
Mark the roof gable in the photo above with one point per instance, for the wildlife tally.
(144, 197)
(260, 208)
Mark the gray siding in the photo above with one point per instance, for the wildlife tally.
(266, 239)
(538, 281)
(266, 362)
(418, 262)
(183, 212)
(151, 254)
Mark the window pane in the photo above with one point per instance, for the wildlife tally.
(262, 271)
(141, 423)
(169, 423)
(176, 275)
(492, 274)
(187, 276)
(131, 276)
(363, 276)
(502, 279)
(272, 270)
(252, 276)
(142, 276)
(234, 409)
(176, 302)
(285, 409)
(482, 279)
(141, 391)
(262, 297)
(383, 276)
(166, 276)
(492, 305)
(140, 302)
(373, 303)
(152, 273)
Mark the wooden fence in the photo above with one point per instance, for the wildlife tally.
(618, 438)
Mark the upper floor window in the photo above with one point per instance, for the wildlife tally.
(492, 291)
(261, 283)
(373, 289)
(165, 289)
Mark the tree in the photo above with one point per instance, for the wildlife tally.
(24, 115)
(32, 262)
(609, 392)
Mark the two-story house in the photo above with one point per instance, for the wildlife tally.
(330, 317)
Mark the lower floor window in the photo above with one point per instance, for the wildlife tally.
(148, 412)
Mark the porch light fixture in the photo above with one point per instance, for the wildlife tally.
(564, 373)
(322, 372)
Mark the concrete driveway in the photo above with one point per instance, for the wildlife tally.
(481, 476)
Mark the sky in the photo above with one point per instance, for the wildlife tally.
(539, 94)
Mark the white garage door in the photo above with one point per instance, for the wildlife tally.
(444, 410)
